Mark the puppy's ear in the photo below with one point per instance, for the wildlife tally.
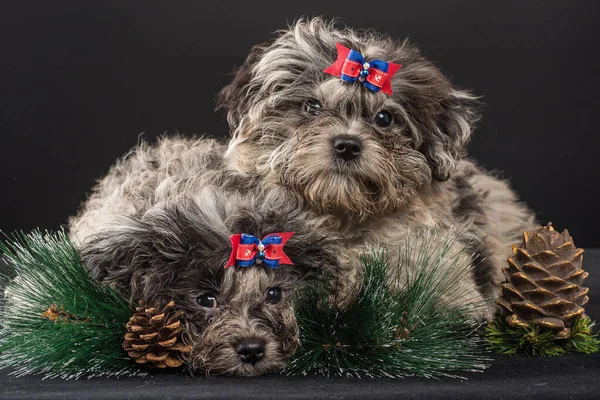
(452, 131)
(313, 255)
(237, 95)
(117, 255)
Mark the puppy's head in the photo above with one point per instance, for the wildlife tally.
(338, 144)
(240, 320)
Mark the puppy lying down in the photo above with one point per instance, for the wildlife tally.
(240, 319)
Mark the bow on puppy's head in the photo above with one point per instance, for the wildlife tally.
(351, 66)
(248, 250)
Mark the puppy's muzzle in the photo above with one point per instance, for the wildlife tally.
(251, 351)
(347, 147)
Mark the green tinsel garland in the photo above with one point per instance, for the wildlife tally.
(56, 320)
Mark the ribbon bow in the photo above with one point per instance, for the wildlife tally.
(351, 66)
(247, 250)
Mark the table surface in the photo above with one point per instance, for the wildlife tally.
(571, 376)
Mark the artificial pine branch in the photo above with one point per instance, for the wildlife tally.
(393, 333)
(56, 320)
(533, 341)
(59, 322)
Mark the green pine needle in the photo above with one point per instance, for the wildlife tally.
(532, 341)
(56, 320)
(388, 333)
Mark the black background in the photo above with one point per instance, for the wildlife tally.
(80, 81)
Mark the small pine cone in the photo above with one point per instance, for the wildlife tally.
(544, 282)
(155, 338)
(59, 315)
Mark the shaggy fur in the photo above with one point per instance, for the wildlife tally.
(177, 250)
(410, 174)
(150, 226)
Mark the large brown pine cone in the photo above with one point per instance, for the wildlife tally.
(544, 282)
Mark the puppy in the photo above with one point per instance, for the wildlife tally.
(240, 319)
(371, 135)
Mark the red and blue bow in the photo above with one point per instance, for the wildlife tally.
(247, 250)
(351, 66)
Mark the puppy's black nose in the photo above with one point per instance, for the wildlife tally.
(251, 351)
(347, 147)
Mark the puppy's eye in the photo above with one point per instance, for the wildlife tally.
(383, 119)
(313, 107)
(273, 295)
(207, 300)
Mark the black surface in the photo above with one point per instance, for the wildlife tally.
(572, 376)
(80, 80)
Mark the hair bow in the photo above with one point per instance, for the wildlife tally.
(351, 66)
(247, 250)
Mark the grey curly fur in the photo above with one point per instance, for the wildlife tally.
(177, 250)
(412, 174)
(158, 224)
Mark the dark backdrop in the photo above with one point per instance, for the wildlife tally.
(80, 81)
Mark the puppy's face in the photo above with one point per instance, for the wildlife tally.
(243, 324)
(339, 145)
(239, 320)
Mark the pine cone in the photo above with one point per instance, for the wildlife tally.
(544, 282)
(154, 337)
(58, 314)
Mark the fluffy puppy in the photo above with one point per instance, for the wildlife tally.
(239, 320)
(375, 164)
